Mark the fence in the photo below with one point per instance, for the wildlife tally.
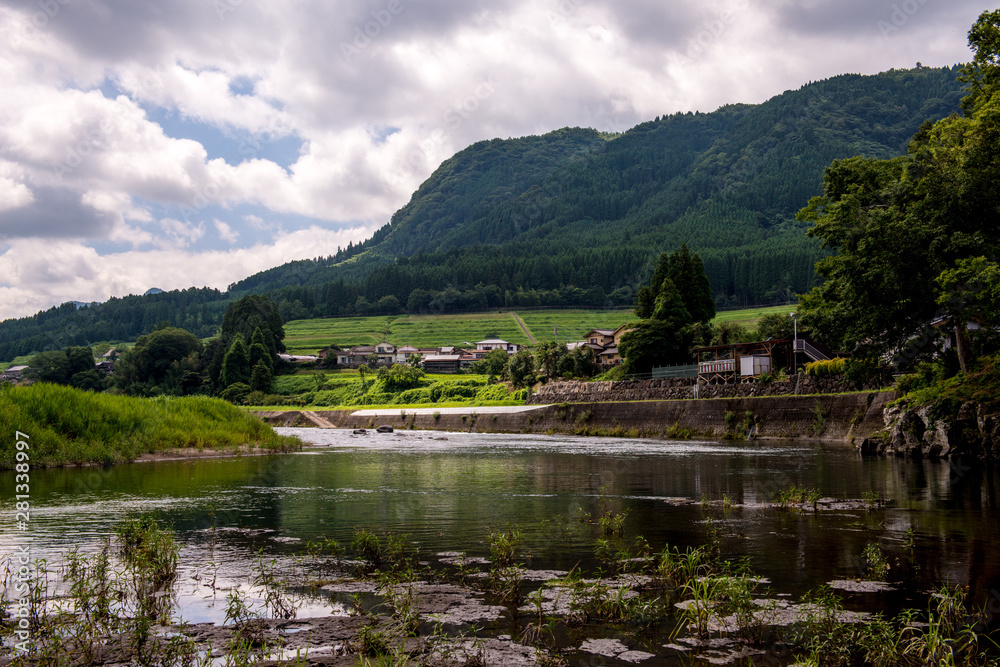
(680, 371)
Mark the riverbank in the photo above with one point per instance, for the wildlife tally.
(836, 418)
(64, 426)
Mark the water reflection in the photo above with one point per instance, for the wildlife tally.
(445, 494)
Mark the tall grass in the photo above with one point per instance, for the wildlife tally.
(70, 426)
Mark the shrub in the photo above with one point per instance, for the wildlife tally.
(826, 368)
(235, 393)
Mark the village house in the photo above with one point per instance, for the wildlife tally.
(14, 373)
(604, 343)
(602, 337)
(442, 363)
(484, 347)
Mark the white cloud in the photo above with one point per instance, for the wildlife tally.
(226, 233)
(38, 274)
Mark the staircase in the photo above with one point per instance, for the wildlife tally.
(806, 348)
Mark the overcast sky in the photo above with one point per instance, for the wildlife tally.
(195, 142)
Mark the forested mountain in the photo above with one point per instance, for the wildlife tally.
(576, 217)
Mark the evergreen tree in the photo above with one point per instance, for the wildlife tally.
(260, 377)
(236, 364)
(670, 307)
(259, 351)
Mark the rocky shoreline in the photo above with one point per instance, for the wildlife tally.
(929, 431)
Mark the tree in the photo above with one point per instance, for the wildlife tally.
(244, 317)
(775, 326)
(970, 292)
(578, 363)
(897, 225)
(655, 343)
(168, 360)
(236, 364)
(494, 363)
(399, 378)
(686, 274)
(259, 351)
(521, 369)
(50, 367)
(260, 377)
(249, 313)
(549, 354)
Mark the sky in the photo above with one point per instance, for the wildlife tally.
(193, 143)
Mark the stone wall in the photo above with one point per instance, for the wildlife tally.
(840, 419)
(683, 388)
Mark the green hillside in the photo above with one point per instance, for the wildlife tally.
(575, 218)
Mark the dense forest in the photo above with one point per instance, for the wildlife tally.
(575, 217)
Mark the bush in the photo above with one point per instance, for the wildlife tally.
(865, 371)
(826, 368)
(235, 393)
(411, 396)
(493, 392)
(398, 378)
(453, 391)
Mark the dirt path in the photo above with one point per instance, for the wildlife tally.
(524, 328)
(317, 420)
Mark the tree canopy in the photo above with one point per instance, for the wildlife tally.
(904, 229)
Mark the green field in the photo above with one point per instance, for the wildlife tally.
(310, 336)
(750, 316)
(571, 325)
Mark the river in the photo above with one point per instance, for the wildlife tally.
(446, 490)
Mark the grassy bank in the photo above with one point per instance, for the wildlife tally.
(69, 426)
(346, 389)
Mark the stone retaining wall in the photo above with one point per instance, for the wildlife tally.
(683, 388)
(840, 419)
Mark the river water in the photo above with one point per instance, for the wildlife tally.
(447, 490)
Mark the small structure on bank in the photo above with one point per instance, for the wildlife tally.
(737, 362)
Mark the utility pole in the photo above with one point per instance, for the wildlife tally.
(795, 342)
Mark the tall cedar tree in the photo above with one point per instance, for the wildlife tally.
(236, 364)
(687, 273)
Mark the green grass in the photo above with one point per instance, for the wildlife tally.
(750, 316)
(18, 361)
(572, 324)
(70, 426)
(342, 390)
(310, 336)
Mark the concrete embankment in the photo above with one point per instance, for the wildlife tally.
(841, 418)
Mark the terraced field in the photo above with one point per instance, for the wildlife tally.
(309, 336)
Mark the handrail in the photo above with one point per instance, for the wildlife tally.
(802, 345)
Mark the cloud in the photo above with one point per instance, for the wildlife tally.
(226, 233)
(38, 274)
